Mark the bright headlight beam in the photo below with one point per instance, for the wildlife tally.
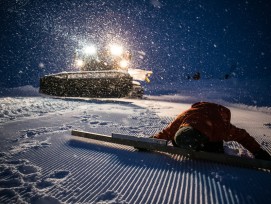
(79, 63)
(116, 50)
(90, 50)
(123, 63)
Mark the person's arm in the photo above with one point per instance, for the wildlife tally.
(241, 136)
(168, 133)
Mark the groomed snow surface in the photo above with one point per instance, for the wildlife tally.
(42, 163)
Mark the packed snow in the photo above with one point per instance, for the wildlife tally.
(42, 163)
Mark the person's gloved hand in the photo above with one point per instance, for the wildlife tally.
(262, 154)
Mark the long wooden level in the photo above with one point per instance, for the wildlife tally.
(161, 146)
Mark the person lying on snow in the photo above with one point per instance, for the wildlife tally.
(204, 127)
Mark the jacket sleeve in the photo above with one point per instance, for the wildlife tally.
(241, 136)
(168, 133)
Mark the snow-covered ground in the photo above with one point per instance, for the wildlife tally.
(42, 163)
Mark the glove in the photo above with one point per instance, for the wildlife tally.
(262, 154)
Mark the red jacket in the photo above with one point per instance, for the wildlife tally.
(213, 121)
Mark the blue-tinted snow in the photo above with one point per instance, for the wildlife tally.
(42, 163)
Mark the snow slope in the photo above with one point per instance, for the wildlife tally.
(42, 163)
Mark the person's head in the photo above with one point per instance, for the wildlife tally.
(189, 138)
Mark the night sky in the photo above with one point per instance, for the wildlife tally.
(178, 38)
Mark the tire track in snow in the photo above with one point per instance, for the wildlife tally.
(153, 191)
(84, 176)
(145, 182)
(174, 190)
(130, 185)
(138, 186)
(106, 177)
(69, 184)
(171, 186)
(136, 179)
(76, 187)
(140, 181)
(98, 172)
(127, 179)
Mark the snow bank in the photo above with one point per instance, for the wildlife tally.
(19, 91)
(232, 91)
(14, 108)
